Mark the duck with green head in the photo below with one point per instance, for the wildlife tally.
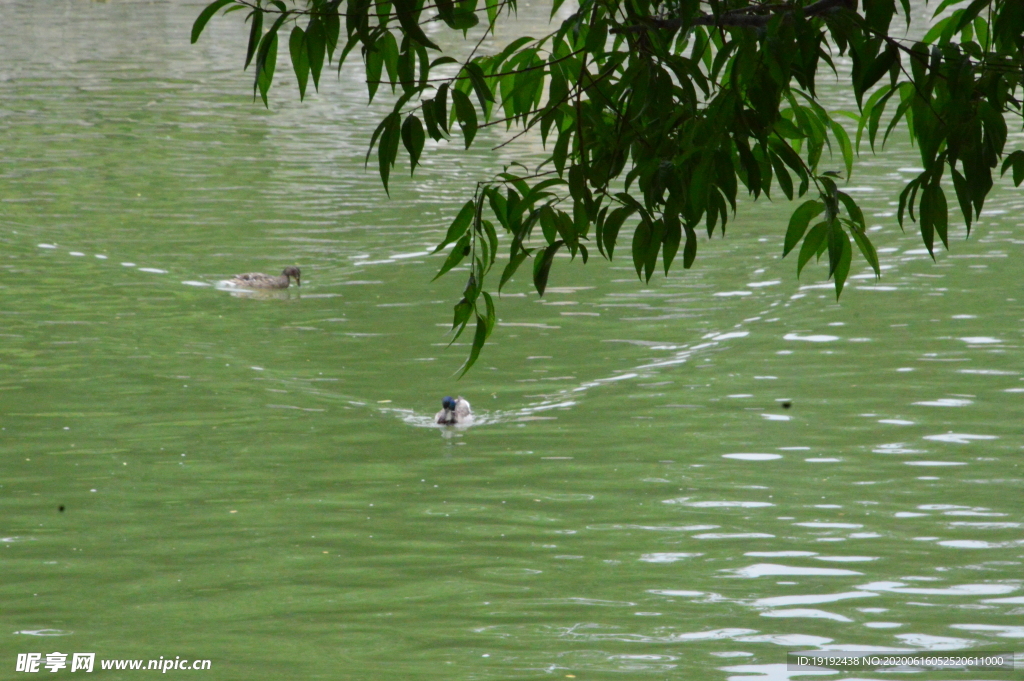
(455, 411)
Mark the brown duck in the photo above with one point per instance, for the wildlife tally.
(260, 280)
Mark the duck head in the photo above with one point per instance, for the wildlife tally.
(293, 273)
(448, 403)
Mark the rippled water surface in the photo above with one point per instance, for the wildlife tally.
(680, 480)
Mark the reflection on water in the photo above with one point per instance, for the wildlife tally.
(683, 478)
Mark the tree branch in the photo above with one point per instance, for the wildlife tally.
(737, 18)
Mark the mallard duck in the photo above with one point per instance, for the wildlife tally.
(260, 280)
(456, 411)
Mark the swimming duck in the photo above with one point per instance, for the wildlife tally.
(260, 280)
(456, 411)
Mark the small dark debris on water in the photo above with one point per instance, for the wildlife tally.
(787, 404)
(61, 508)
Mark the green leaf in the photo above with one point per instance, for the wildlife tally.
(845, 256)
(751, 170)
(430, 121)
(316, 46)
(596, 37)
(943, 5)
(879, 67)
(463, 19)
(690, 249)
(387, 150)
(408, 17)
(382, 8)
(255, 34)
(782, 175)
(1015, 160)
(465, 114)
(459, 225)
(561, 150)
(472, 290)
(460, 330)
(906, 10)
(406, 67)
(577, 183)
(413, 138)
(653, 247)
(927, 220)
(492, 239)
(834, 245)
(844, 145)
(441, 107)
(812, 242)
(935, 213)
(300, 61)
(537, 191)
(901, 110)
(549, 223)
(907, 197)
(542, 266)
(853, 210)
(786, 129)
(388, 47)
(798, 223)
(566, 227)
(499, 207)
(424, 64)
(511, 48)
(981, 31)
(701, 47)
(969, 14)
(476, 77)
(205, 16)
(374, 68)
(491, 316)
(460, 251)
(349, 44)
(673, 236)
(872, 114)
(513, 265)
(373, 141)
(446, 8)
(463, 310)
(939, 28)
(266, 60)
(790, 157)
(963, 196)
(641, 245)
(612, 226)
(332, 27)
(867, 249)
(722, 57)
(479, 338)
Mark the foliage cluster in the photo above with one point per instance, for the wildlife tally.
(656, 114)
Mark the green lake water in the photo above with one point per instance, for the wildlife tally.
(679, 480)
